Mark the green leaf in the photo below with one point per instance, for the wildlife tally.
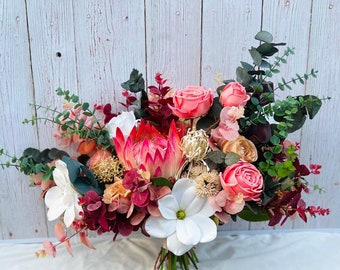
(38, 168)
(246, 66)
(275, 140)
(256, 56)
(136, 82)
(254, 100)
(46, 176)
(313, 105)
(161, 182)
(217, 157)
(85, 106)
(267, 49)
(231, 158)
(248, 215)
(268, 155)
(243, 76)
(264, 36)
(277, 149)
(74, 98)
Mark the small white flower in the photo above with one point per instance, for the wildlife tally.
(125, 121)
(62, 198)
(185, 218)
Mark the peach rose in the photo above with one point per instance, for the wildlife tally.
(234, 94)
(242, 178)
(241, 146)
(191, 102)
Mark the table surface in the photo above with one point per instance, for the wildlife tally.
(257, 250)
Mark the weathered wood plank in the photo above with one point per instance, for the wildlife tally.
(21, 212)
(53, 57)
(110, 42)
(53, 62)
(321, 136)
(228, 31)
(173, 41)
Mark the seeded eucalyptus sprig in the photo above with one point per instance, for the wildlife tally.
(90, 130)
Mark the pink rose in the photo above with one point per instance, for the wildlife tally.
(234, 94)
(191, 102)
(242, 178)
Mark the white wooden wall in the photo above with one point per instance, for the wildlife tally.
(90, 47)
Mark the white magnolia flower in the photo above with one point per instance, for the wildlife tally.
(185, 218)
(62, 198)
(125, 121)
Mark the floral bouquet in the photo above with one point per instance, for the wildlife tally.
(175, 164)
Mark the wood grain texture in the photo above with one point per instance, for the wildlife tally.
(321, 136)
(90, 47)
(21, 212)
(173, 41)
(227, 33)
(110, 41)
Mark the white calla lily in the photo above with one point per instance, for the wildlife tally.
(62, 198)
(185, 219)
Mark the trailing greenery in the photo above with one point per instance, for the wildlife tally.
(76, 124)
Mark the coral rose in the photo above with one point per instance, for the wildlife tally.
(191, 102)
(241, 146)
(234, 94)
(242, 178)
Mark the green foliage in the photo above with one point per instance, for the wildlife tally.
(75, 124)
(82, 177)
(161, 182)
(249, 215)
(34, 161)
(290, 113)
(136, 84)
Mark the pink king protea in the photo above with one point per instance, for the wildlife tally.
(147, 149)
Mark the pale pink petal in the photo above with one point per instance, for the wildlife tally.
(84, 240)
(59, 232)
(68, 246)
(137, 218)
(49, 248)
(234, 207)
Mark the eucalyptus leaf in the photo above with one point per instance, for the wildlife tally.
(256, 56)
(246, 66)
(243, 76)
(264, 36)
(267, 49)
(217, 157)
(231, 158)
